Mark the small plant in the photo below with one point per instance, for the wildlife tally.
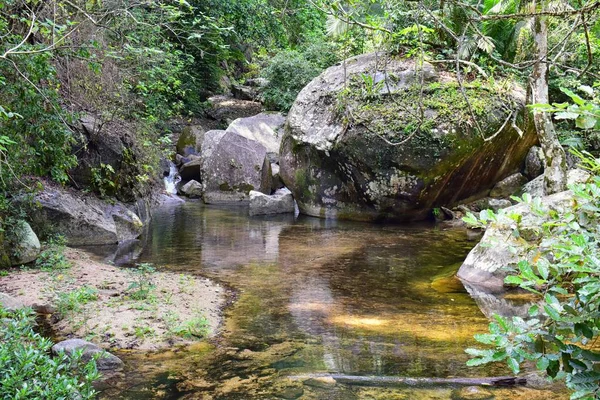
(70, 303)
(141, 287)
(143, 331)
(53, 256)
(28, 370)
(197, 327)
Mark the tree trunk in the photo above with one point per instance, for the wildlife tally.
(555, 175)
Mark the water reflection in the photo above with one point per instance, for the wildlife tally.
(313, 296)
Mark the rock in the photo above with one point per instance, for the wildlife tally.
(508, 185)
(190, 140)
(534, 163)
(489, 203)
(27, 248)
(536, 187)
(113, 143)
(290, 393)
(84, 219)
(346, 170)
(264, 128)
(471, 393)
(277, 182)
(236, 161)
(10, 303)
(575, 176)
(499, 248)
(105, 362)
(257, 82)
(228, 109)
(281, 202)
(43, 308)
(242, 92)
(192, 189)
(191, 170)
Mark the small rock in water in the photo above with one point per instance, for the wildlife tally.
(280, 202)
(290, 393)
(471, 393)
(192, 189)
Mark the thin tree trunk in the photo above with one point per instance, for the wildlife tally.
(555, 175)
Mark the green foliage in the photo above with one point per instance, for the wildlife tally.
(143, 283)
(563, 272)
(585, 113)
(290, 70)
(53, 257)
(197, 327)
(27, 371)
(71, 303)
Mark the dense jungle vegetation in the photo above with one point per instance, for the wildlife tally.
(142, 64)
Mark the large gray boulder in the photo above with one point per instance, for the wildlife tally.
(355, 147)
(237, 160)
(105, 361)
(27, 248)
(535, 187)
(500, 250)
(86, 220)
(281, 202)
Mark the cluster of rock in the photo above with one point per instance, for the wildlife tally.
(237, 165)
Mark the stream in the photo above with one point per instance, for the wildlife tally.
(312, 296)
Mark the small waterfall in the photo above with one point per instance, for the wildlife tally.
(172, 180)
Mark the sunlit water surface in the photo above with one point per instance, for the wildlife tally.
(314, 296)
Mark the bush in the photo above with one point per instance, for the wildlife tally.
(563, 323)
(27, 371)
(291, 70)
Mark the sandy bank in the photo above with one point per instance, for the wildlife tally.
(102, 303)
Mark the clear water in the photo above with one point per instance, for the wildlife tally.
(314, 296)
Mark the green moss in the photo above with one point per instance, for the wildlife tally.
(395, 117)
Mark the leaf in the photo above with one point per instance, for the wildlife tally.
(513, 365)
(473, 362)
(542, 363)
(513, 280)
(585, 122)
(566, 115)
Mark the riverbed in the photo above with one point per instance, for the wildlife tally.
(313, 297)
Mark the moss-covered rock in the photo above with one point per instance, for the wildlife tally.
(367, 141)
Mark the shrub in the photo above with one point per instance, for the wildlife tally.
(27, 371)
(564, 323)
(290, 70)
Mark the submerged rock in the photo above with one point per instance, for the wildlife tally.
(281, 202)
(237, 160)
(105, 362)
(384, 163)
(471, 393)
(86, 220)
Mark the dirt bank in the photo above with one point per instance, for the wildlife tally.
(120, 308)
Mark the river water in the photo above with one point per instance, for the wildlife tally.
(315, 296)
